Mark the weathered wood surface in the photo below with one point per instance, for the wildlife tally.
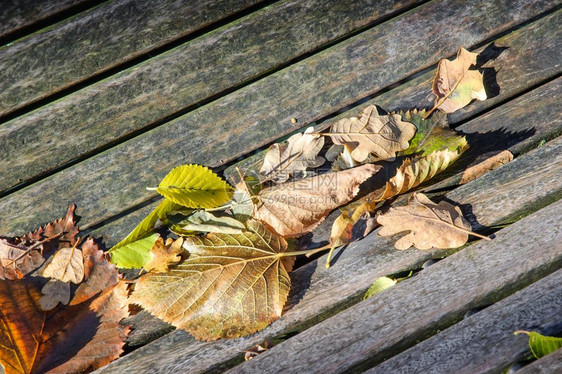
(373, 330)
(549, 364)
(484, 342)
(515, 126)
(319, 292)
(150, 92)
(16, 15)
(37, 66)
(212, 134)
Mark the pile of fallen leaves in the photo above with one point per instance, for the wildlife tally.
(216, 257)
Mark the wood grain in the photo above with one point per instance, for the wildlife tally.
(18, 14)
(373, 330)
(114, 181)
(485, 341)
(46, 62)
(549, 364)
(160, 87)
(319, 292)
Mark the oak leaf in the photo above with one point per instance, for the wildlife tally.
(165, 254)
(430, 225)
(293, 156)
(382, 135)
(54, 292)
(230, 284)
(458, 82)
(295, 208)
(195, 186)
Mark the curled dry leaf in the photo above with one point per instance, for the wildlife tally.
(164, 255)
(230, 285)
(430, 225)
(382, 135)
(295, 208)
(293, 156)
(486, 166)
(256, 350)
(458, 82)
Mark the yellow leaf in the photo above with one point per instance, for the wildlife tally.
(67, 265)
(195, 186)
(230, 285)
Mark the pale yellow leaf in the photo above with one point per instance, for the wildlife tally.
(67, 265)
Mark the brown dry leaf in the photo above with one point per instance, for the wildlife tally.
(342, 228)
(164, 255)
(457, 82)
(67, 265)
(256, 350)
(229, 286)
(486, 166)
(80, 337)
(17, 260)
(430, 225)
(54, 292)
(295, 208)
(293, 156)
(382, 135)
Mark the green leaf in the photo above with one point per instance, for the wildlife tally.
(147, 225)
(135, 255)
(378, 286)
(195, 186)
(432, 134)
(202, 221)
(541, 345)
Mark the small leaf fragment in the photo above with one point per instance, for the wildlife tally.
(541, 345)
(135, 255)
(379, 285)
(195, 186)
(457, 82)
(371, 133)
(164, 255)
(430, 225)
(54, 291)
(293, 156)
(256, 350)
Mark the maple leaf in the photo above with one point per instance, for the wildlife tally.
(431, 225)
(195, 186)
(295, 208)
(458, 82)
(165, 254)
(230, 284)
(293, 156)
(38, 333)
(382, 135)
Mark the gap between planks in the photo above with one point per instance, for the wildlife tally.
(155, 152)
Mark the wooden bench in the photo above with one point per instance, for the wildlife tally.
(100, 99)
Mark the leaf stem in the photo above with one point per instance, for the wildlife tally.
(308, 252)
(151, 188)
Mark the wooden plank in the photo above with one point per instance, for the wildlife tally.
(110, 183)
(373, 330)
(154, 90)
(20, 14)
(549, 364)
(530, 127)
(318, 292)
(485, 342)
(104, 37)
